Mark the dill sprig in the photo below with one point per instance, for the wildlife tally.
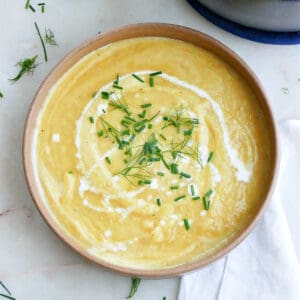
(27, 66)
(179, 121)
(50, 38)
(135, 282)
(42, 41)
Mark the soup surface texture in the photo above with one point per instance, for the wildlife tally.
(152, 152)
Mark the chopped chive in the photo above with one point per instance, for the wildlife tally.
(152, 159)
(174, 169)
(156, 73)
(206, 203)
(125, 132)
(32, 8)
(103, 110)
(164, 298)
(196, 198)
(142, 160)
(150, 126)
(138, 77)
(117, 79)
(179, 198)
(163, 137)
(70, 172)
(41, 4)
(186, 175)
(147, 181)
(130, 118)
(108, 160)
(100, 133)
(174, 187)
(135, 282)
(210, 156)
(143, 114)
(192, 190)
(140, 123)
(158, 202)
(7, 297)
(1, 95)
(188, 132)
(27, 4)
(166, 118)
(186, 224)
(117, 87)
(151, 81)
(121, 145)
(132, 137)
(209, 193)
(125, 123)
(43, 8)
(139, 130)
(42, 41)
(91, 119)
(174, 154)
(160, 174)
(146, 105)
(105, 95)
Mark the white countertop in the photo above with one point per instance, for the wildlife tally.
(34, 263)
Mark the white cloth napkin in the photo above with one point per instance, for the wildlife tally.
(264, 266)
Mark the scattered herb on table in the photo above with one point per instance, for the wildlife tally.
(50, 38)
(42, 41)
(42, 6)
(1, 95)
(135, 282)
(27, 66)
(8, 295)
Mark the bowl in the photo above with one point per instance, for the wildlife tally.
(144, 30)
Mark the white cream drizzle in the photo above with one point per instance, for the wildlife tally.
(242, 172)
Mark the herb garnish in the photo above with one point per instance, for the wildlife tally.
(108, 160)
(8, 295)
(91, 119)
(179, 198)
(206, 200)
(1, 95)
(42, 5)
(186, 224)
(158, 202)
(42, 41)
(155, 73)
(138, 78)
(27, 4)
(50, 38)
(210, 156)
(135, 282)
(27, 65)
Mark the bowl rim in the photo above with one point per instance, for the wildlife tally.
(131, 31)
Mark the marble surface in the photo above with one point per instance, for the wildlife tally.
(34, 263)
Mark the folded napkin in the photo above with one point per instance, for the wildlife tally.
(264, 266)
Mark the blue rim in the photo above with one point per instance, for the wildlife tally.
(262, 36)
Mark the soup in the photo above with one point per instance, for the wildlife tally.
(152, 152)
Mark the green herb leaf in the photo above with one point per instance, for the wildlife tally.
(151, 81)
(138, 78)
(155, 73)
(100, 133)
(1, 95)
(91, 119)
(158, 202)
(186, 224)
(27, 66)
(196, 198)
(27, 4)
(42, 41)
(146, 105)
(108, 160)
(32, 8)
(160, 174)
(7, 297)
(50, 38)
(105, 95)
(6, 289)
(174, 187)
(179, 198)
(210, 156)
(135, 282)
(186, 175)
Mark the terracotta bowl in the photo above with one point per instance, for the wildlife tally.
(142, 30)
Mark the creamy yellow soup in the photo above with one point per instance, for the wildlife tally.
(152, 152)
